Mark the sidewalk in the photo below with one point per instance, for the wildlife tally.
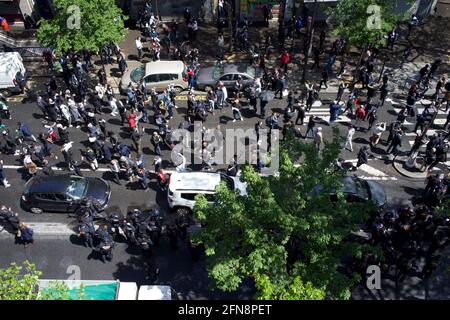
(399, 164)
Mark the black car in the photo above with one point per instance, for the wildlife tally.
(63, 193)
(358, 190)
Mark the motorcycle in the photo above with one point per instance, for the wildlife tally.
(115, 222)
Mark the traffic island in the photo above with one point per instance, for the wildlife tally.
(408, 169)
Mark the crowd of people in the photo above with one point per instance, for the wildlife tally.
(81, 104)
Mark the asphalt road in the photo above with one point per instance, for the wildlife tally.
(53, 256)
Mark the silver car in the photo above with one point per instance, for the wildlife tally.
(228, 73)
(157, 74)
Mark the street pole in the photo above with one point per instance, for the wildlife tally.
(309, 43)
(230, 22)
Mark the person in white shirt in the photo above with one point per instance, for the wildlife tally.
(100, 90)
(113, 105)
(377, 132)
(318, 138)
(348, 141)
(139, 47)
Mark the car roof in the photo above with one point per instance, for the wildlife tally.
(194, 181)
(158, 67)
(50, 184)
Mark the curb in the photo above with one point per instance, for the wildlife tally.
(398, 164)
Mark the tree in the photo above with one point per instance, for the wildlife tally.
(22, 283)
(82, 25)
(287, 234)
(362, 22)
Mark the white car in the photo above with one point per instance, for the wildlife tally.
(184, 186)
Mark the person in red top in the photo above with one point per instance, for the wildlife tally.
(4, 24)
(360, 115)
(284, 60)
(132, 120)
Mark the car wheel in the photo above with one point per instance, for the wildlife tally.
(207, 88)
(178, 89)
(6, 93)
(182, 211)
(36, 210)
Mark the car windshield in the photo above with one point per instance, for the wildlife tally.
(362, 189)
(228, 181)
(218, 71)
(137, 74)
(76, 187)
(251, 71)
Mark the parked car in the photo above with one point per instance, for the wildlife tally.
(63, 193)
(228, 73)
(184, 186)
(157, 74)
(359, 190)
(11, 70)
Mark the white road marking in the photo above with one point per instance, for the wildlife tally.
(46, 229)
(54, 168)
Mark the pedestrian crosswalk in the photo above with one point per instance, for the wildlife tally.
(409, 136)
(322, 111)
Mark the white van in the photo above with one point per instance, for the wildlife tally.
(184, 186)
(11, 69)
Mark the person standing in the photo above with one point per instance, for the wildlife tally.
(284, 61)
(115, 169)
(25, 234)
(341, 89)
(383, 94)
(220, 46)
(318, 138)
(235, 107)
(300, 114)
(349, 138)
(139, 47)
(2, 176)
(156, 142)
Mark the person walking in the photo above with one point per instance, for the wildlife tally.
(123, 66)
(2, 176)
(349, 138)
(281, 86)
(396, 142)
(310, 127)
(324, 79)
(383, 95)
(363, 156)
(91, 158)
(360, 116)
(377, 132)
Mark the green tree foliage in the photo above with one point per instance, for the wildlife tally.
(21, 282)
(350, 19)
(100, 21)
(286, 234)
